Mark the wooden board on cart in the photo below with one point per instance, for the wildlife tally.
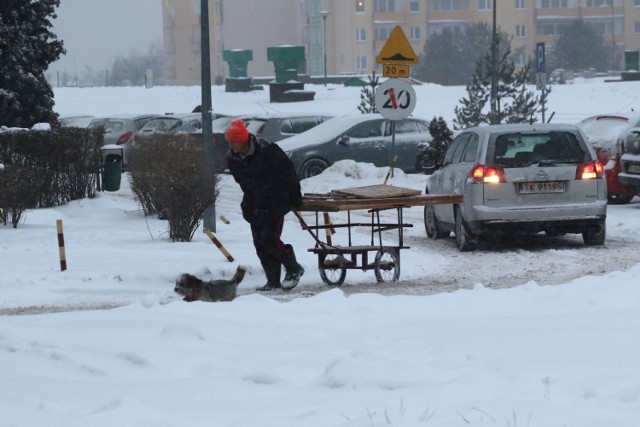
(372, 197)
(379, 191)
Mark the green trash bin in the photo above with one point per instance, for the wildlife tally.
(112, 172)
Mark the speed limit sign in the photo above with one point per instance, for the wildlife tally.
(395, 99)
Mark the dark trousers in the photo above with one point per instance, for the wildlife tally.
(269, 248)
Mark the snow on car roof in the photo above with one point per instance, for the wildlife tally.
(326, 130)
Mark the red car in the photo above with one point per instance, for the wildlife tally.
(606, 133)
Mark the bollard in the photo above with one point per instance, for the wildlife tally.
(63, 257)
(218, 244)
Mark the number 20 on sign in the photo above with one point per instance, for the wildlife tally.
(395, 99)
(395, 70)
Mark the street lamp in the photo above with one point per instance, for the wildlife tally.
(324, 14)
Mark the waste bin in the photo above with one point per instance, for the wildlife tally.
(112, 172)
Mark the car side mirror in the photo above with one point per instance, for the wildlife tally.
(428, 165)
(344, 140)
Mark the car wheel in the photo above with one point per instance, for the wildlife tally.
(619, 198)
(431, 225)
(465, 240)
(312, 167)
(595, 235)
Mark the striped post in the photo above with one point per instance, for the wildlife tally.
(63, 257)
(218, 244)
(224, 219)
(390, 171)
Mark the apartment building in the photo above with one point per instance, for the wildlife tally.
(349, 34)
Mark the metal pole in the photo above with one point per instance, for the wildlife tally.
(209, 217)
(494, 69)
(613, 40)
(324, 14)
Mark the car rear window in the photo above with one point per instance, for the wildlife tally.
(518, 149)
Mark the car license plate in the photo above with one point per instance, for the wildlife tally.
(633, 168)
(541, 187)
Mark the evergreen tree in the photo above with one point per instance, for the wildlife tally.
(368, 95)
(515, 103)
(449, 58)
(441, 136)
(580, 47)
(27, 47)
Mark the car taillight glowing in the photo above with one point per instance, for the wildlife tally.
(487, 175)
(591, 170)
(124, 138)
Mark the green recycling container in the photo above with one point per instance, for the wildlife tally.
(112, 172)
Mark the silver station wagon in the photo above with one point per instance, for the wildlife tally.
(518, 178)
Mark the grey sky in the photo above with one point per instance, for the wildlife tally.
(95, 30)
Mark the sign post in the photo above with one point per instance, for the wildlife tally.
(541, 74)
(395, 98)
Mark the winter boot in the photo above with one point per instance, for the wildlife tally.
(294, 270)
(273, 271)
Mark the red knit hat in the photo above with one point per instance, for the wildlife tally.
(237, 131)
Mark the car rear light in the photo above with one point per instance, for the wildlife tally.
(487, 175)
(591, 170)
(124, 138)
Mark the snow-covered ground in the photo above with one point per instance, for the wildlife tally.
(463, 339)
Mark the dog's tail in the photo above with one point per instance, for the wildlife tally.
(237, 278)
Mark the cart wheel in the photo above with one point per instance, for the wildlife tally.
(387, 265)
(333, 276)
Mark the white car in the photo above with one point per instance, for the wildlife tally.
(518, 178)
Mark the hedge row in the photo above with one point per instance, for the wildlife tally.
(46, 168)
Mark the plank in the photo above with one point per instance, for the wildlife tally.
(377, 191)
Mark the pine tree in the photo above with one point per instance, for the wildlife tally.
(449, 57)
(27, 47)
(515, 103)
(368, 95)
(580, 47)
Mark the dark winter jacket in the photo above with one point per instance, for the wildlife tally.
(268, 180)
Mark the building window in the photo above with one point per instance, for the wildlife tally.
(385, 6)
(450, 5)
(520, 5)
(414, 6)
(551, 4)
(636, 27)
(359, 6)
(415, 33)
(361, 34)
(520, 31)
(521, 58)
(598, 3)
(361, 63)
(382, 33)
(484, 4)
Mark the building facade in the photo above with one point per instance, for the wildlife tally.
(346, 36)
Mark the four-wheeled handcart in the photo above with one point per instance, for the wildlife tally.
(335, 259)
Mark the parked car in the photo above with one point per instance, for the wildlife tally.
(606, 134)
(121, 129)
(172, 124)
(630, 161)
(359, 137)
(75, 121)
(275, 127)
(518, 178)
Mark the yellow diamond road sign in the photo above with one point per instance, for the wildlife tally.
(397, 49)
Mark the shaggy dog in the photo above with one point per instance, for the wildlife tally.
(194, 289)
